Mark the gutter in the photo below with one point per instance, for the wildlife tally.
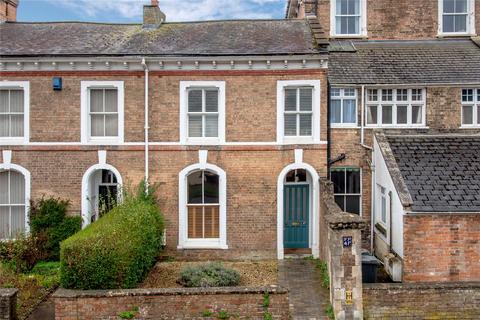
(145, 68)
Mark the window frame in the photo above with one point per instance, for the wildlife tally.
(184, 88)
(7, 166)
(394, 103)
(350, 194)
(362, 24)
(25, 86)
(470, 27)
(86, 136)
(202, 243)
(342, 97)
(314, 138)
(475, 104)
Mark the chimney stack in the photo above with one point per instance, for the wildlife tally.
(153, 17)
(8, 10)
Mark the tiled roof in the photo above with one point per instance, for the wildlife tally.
(442, 173)
(231, 37)
(405, 62)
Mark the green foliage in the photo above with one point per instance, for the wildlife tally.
(207, 313)
(223, 314)
(129, 314)
(118, 250)
(23, 253)
(267, 316)
(329, 312)
(48, 220)
(323, 267)
(266, 300)
(209, 275)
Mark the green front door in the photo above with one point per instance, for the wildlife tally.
(295, 216)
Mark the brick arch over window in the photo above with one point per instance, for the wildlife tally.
(10, 167)
(183, 240)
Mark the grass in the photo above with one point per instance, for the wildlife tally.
(33, 287)
(329, 312)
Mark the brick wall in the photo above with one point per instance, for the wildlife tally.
(8, 304)
(188, 303)
(421, 301)
(441, 248)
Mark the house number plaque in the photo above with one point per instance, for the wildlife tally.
(347, 241)
(348, 297)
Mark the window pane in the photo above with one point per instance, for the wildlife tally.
(417, 115)
(4, 101)
(353, 181)
(4, 125)
(384, 209)
(290, 177)
(352, 204)
(111, 100)
(18, 220)
(305, 124)
(461, 23)
(96, 100)
(402, 94)
(349, 111)
(372, 114)
(4, 222)
(448, 23)
(338, 179)
(349, 92)
(449, 6)
(17, 188)
(301, 175)
(195, 101)
(211, 186)
(194, 182)
(340, 200)
(16, 125)
(211, 222)
(342, 25)
(211, 100)
(467, 115)
(97, 124)
(4, 187)
(417, 94)
(467, 95)
(353, 7)
(478, 114)
(195, 222)
(335, 92)
(386, 114)
(353, 25)
(336, 111)
(306, 99)
(111, 125)
(387, 95)
(211, 126)
(290, 125)
(372, 95)
(461, 6)
(290, 99)
(194, 126)
(342, 7)
(402, 112)
(16, 100)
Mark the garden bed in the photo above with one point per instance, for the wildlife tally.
(252, 273)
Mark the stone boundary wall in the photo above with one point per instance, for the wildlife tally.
(170, 303)
(421, 300)
(8, 304)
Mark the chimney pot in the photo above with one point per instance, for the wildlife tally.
(155, 3)
(8, 10)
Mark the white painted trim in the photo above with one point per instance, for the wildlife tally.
(298, 155)
(164, 143)
(183, 241)
(363, 21)
(84, 108)
(475, 104)
(7, 156)
(86, 187)
(184, 139)
(7, 165)
(316, 106)
(341, 98)
(315, 209)
(470, 21)
(25, 86)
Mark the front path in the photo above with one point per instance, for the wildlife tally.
(308, 299)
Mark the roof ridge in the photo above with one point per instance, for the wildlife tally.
(167, 22)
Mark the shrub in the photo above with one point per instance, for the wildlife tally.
(116, 251)
(209, 275)
(48, 220)
(23, 253)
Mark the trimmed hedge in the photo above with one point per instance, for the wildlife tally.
(117, 251)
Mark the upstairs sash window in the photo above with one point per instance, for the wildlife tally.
(203, 113)
(343, 110)
(298, 112)
(103, 112)
(12, 113)
(471, 107)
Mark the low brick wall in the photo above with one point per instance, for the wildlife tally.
(8, 304)
(421, 300)
(171, 303)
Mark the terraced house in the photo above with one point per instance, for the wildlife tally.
(404, 124)
(238, 120)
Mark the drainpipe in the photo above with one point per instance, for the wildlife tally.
(329, 130)
(145, 68)
(362, 122)
(372, 206)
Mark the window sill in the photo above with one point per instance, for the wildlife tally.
(13, 141)
(214, 141)
(396, 127)
(337, 126)
(199, 244)
(453, 35)
(349, 36)
(299, 140)
(470, 126)
(93, 141)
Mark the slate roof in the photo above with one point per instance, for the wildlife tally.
(442, 173)
(404, 62)
(208, 38)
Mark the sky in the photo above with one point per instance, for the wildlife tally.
(130, 11)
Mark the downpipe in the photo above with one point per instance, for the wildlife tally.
(145, 68)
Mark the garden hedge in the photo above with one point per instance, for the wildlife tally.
(117, 251)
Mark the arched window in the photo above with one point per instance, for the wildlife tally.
(202, 207)
(13, 204)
